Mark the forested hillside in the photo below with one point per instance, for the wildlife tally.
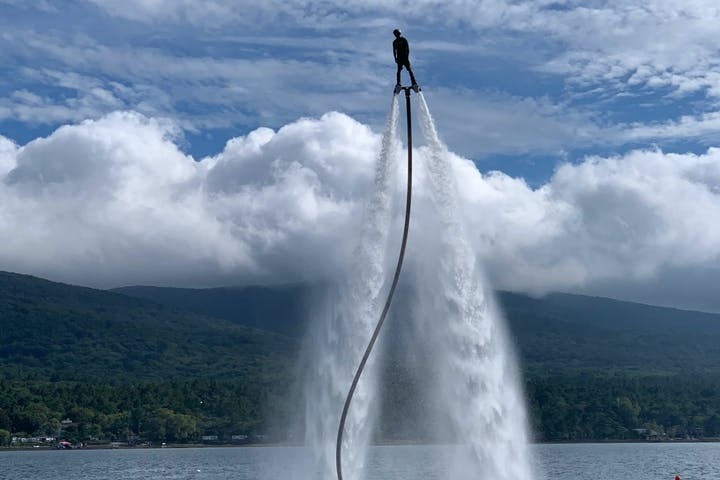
(558, 334)
(178, 363)
(51, 331)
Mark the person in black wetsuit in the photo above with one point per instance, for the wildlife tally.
(401, 52)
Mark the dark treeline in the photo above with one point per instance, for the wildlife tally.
(578, 408)
(588, 407)
(179, 411)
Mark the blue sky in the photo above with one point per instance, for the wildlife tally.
(516, 86)
(519, 87)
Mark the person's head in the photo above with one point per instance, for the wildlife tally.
(397, 33)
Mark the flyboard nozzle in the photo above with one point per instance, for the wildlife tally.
(414, 87)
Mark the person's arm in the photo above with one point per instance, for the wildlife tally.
(395, 51)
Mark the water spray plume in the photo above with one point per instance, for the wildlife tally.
(479, 387)
(474, 377)
(388, 301)
(343, 325)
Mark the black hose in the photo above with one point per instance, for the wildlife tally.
(356, 379)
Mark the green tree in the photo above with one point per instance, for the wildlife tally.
(4, 420)
(712, 426)
(35, 418)
(5, 438)
(181, 428)
(628, 411)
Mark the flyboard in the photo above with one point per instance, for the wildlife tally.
(391, 292)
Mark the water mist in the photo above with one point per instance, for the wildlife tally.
(455, 329)
(342, 327)
(478, 387)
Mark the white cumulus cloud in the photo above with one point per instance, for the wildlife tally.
(8, 151)
(114, 201)
(625, 218)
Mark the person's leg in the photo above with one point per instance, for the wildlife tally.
(412, 77)
(399, 69)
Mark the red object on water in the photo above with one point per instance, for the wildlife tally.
(677, 477)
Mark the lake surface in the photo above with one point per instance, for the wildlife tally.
(633, 461)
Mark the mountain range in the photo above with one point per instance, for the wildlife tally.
(593, 368)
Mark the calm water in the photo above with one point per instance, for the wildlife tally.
(556, 462)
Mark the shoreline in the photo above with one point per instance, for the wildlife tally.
(45, 448)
